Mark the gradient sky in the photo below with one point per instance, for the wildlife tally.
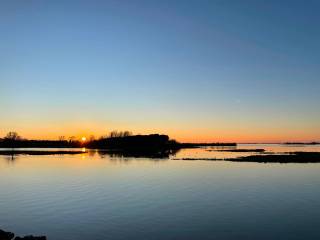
(197, 70)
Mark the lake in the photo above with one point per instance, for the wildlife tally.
(99, 196)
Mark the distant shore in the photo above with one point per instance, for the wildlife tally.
(152, 143)
(290, 157)
(38, 152)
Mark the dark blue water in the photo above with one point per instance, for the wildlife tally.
(91, 196)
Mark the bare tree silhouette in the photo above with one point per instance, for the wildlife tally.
(116, 134)
(62, 138)
(12, 136)
(72, 139)
(92, 138)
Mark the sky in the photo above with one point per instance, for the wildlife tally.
(201, 71)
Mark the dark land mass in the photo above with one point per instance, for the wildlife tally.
(10, 236)
(102, 152)
(237, 150)
(137, 142)
(197, 145)
(137, 145)
(301, 143)
(294, 157)
(39, 144)
(38, 152)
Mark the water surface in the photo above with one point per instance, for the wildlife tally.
(97, 196)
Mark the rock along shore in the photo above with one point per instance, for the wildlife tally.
(10, 236)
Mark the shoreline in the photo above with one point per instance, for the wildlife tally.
(292, 157)
(11, 236)
(39, 152)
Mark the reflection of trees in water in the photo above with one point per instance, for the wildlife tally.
(127, 155)
(116, 155)
(10, 159)
(91, 153)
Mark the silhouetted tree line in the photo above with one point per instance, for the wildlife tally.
(122, 140)
(13, 140)
(116, 134)
(127, 142)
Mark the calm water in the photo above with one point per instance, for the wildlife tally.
(92, 196)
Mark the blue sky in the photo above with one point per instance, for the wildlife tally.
(197, 70)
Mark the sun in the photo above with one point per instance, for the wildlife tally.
(83, 139)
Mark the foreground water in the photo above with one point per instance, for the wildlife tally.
(94, 196)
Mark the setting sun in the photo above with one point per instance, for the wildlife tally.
(83, 139)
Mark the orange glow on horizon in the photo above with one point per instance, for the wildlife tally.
(184, 133)
(206, 138)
